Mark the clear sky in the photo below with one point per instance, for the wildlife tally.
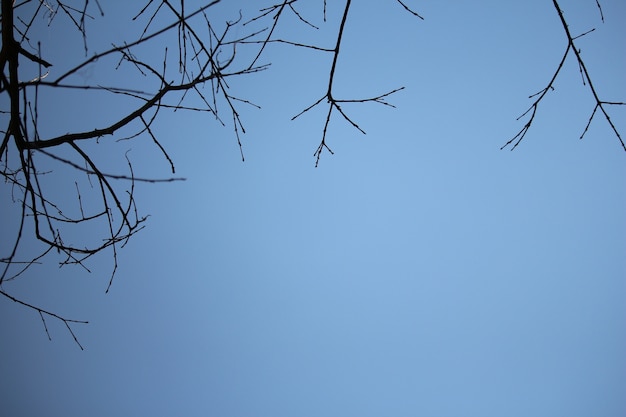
(418, 271)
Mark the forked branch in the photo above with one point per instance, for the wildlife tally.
(586, 79)
(334, 103)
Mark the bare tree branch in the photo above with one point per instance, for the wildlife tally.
(334, 103)
(586, 79)
(24, 143)
(195, 68)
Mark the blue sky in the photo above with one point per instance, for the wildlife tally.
(419, 270)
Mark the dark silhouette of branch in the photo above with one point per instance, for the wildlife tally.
(43, 313)
(278, 8)
(410, 10)
(25, 144)
(586, 79)
(334, 103)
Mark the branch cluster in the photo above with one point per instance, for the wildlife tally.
(102, 214)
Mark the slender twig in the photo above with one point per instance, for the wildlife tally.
(43, 313)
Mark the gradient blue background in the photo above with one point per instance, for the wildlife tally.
(419, 271)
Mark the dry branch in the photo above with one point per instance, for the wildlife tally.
(586, 80)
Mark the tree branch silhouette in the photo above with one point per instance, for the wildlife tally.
(334, 103)
(25, 147)
(196, 61)
(586, 79)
